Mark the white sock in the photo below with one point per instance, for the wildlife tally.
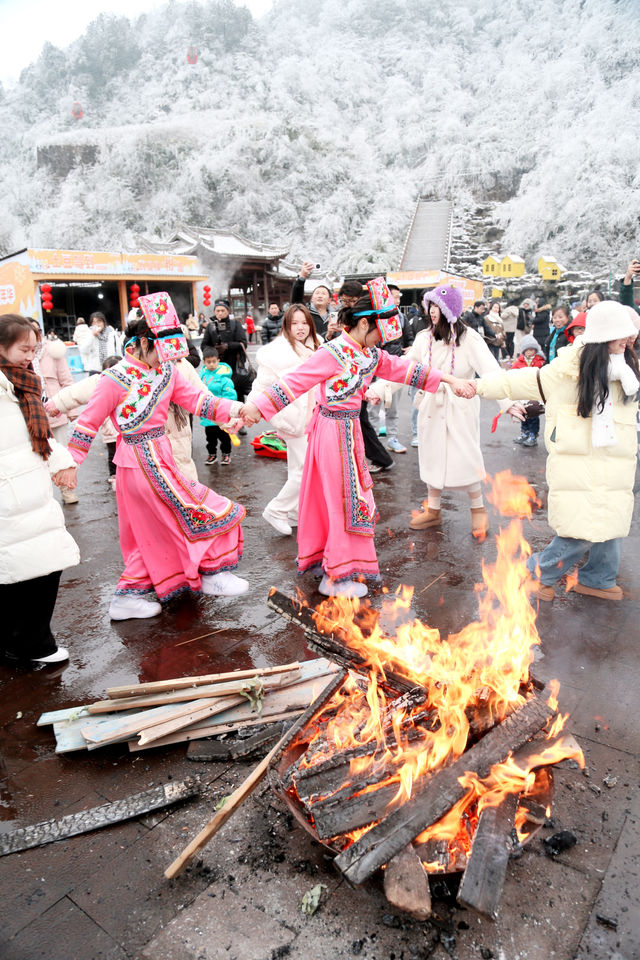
(433, 499)
(475, 496)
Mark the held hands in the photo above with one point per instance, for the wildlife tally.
(66, 478)
(517, 412)
(372, 398)
(249, 414)
(463, 388)
(51, 409)
(234, 425)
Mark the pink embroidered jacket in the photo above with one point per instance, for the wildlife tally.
(341, 370)
(136, 398)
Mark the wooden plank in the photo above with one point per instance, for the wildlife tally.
(406, 884)
(207, 708)
(85, 820)
(232, 803)
(181, 683)
(486, 871)
(180, 715)
(433, 798)
(213, 730)
(180, 696)
(69, 736)
(315, 706)
(58, 716)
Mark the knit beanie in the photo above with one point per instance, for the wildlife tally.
(529, 342)
(606, 321)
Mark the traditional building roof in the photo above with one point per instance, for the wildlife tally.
(224, 243)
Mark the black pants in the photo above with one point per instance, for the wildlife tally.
(373, 449)
(25, 625)
(213, 434)
(111, 452)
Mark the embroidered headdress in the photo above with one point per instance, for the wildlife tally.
(162, 319)
(383, 310)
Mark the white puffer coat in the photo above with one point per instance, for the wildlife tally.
(33, 538)
(274, 360)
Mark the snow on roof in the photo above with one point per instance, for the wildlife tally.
(511, 257)
(224, 243)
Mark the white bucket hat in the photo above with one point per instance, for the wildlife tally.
(606, 321)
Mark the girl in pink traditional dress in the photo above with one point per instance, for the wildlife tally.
(337, 510)
(175, 533)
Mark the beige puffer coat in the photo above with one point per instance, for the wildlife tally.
(590, 489)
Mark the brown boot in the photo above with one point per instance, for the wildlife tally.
(479, 523)
(541, 591)
(611, 593)
(426, 518)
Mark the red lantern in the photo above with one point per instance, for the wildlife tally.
(77, 112)
(135, 289)
(192, 55)
(46, 298)
(206, 297)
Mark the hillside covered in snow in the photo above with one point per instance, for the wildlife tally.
(317, 127)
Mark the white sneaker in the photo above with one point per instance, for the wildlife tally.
(59, 656)
(68, 495)
(342, 588)
(414, 442)
(223, 584)
(133, 608)
(277, 523)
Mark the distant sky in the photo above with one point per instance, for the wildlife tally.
(25, 25)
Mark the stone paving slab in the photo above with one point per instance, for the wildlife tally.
(63, 933)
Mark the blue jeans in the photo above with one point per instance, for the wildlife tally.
(414, 412)
(530, 427)
(563, 553)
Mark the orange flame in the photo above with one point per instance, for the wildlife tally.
(471, 680)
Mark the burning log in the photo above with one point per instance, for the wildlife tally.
(484, 877)
(330, 646)
(434, 797)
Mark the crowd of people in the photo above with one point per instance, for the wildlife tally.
(323, 377)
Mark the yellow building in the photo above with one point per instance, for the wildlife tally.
(512, 266)
(491, 267)
(550, 269)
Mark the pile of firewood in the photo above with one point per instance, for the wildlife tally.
(189, 708)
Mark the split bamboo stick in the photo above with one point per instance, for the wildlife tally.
(180, 683)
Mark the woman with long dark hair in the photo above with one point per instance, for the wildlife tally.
(34, 544)
(175, 533)
(590, 395)
(296, 342)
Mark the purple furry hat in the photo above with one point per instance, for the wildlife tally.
(449, 299)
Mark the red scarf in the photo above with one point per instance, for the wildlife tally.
(28, 391)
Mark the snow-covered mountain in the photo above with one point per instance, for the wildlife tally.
(318, 126)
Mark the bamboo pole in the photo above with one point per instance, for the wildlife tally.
(160, 686)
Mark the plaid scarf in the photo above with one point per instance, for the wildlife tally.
(28, 391)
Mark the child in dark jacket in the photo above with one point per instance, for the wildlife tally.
(216, 376)
(530, 356)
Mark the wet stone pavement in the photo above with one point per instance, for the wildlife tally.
(103, 896)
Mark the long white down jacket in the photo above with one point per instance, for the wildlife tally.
(33, 538)
(274, 360)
